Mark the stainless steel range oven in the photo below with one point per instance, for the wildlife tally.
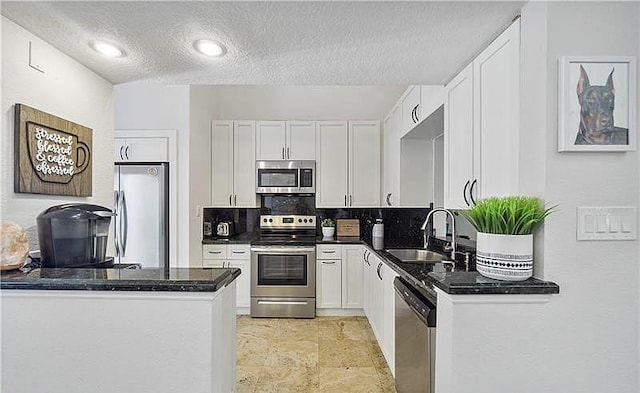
(283, 268)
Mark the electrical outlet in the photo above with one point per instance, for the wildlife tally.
(198, 211)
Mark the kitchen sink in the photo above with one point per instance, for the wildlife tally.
(416, 255)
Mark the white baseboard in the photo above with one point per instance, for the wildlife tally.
(339, 312)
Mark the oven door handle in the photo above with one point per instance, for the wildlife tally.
(283, 250)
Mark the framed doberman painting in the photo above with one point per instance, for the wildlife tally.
(597, 104)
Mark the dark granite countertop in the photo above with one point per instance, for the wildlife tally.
(175, 280)
(426, 276)
(339, 240)
(243, 238)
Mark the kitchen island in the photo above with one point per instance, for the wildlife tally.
(118, 330)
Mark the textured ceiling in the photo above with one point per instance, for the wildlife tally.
(281, 43)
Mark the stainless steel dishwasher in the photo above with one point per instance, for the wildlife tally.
(415, 339)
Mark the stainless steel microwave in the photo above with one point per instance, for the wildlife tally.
(285, 177)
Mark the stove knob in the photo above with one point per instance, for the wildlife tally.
(310, 220)
(305, 220)
(271, 220)
(299, 219)
(264, 220)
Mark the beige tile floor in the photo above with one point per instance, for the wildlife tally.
(326, 354)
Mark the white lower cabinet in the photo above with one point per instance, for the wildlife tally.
(232, 256)
(352, 276)
(339, 276)
(328, 283)
(379, 303)
(388, 316)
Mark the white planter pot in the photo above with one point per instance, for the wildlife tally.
(328, 231)
(504, 257)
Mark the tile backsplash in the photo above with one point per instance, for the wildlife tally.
(401, 225)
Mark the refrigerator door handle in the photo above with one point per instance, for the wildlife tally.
(124, 224)
(116, 197)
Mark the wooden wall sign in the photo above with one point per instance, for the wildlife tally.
(52, 155)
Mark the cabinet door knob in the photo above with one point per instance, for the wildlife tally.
(464, 192)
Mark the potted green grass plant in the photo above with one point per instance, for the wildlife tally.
(504, 247)
(328, 227)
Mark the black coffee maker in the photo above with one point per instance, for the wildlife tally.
(74, 235)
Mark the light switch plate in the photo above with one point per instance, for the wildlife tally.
(607, 223)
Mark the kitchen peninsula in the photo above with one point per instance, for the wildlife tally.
(109, 330)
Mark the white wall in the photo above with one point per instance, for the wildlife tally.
(66, 89)
(269, 103)
(146, 106)
(596, 316)
(586, 338)
(298, 102)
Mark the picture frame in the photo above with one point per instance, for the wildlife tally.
(597, 104)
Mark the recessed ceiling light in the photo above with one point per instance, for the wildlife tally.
(106, 49)
(210, 48)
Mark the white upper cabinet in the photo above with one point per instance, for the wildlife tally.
(244, 164)
(410, 108)
(496, 76)
(391, 158)
(364, 164)
(270, 140)
(458, 139)
(481, 124)
(152, 149)
(285, 140)
(348, 164)
(222, 163)
(233, 181)
(333, 164)
(301, 140)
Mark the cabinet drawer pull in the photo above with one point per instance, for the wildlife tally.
(345, 200)
(230, 196)
(328, 252)
(214, 252)
(235, 200)
(238, 252)
(288, 153)
(378, 270)
(121, 155)
(283, 153)
(329, 262)
(388, 199)
(126, 152)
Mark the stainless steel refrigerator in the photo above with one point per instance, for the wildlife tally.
(141, 226)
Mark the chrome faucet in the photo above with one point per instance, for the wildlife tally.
(451, 247)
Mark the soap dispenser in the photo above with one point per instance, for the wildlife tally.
(378, 235)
